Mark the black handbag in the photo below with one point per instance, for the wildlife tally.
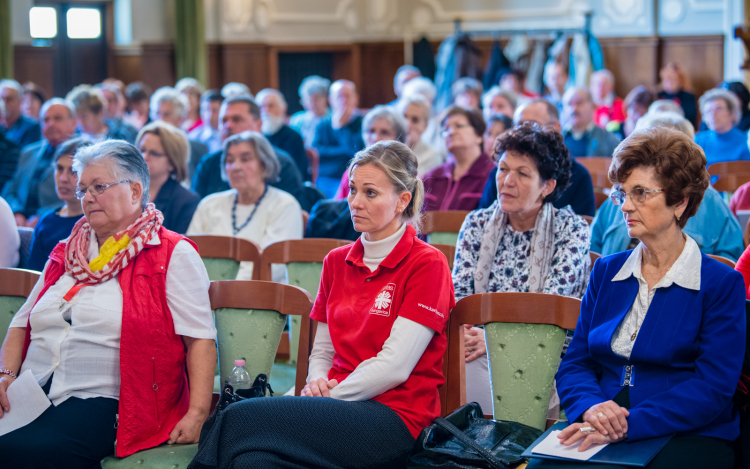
(466, 440)
(230, 396)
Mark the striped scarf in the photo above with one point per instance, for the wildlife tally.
(114, 254)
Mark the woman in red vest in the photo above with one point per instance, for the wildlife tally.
(377, 358)
(118, 320)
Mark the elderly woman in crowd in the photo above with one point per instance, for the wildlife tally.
(417, 111)
(313, 95)
(378, 362)
(662, 319)
(192, 89)
(89, 104)
(675, 85)
(713, 227)
(165, 149)
(381, 123)
(497, 124)
(521, 243)
(252, 209)
(57, 224)
(723, 141)
(458, 183)
(118, 330)
(498, 101)
(637, 104)
(467, 92)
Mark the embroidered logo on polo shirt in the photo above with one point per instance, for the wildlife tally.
(383, 301)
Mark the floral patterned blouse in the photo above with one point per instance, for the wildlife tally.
(568, 274)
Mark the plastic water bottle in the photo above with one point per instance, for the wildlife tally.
(239, 378)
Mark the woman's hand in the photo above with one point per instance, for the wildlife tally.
(608, 418)
(573, 433)
(187, 430)
(319, 388)
(474, 346)
(5, 381)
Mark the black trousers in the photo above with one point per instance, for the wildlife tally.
(682, 451)
(306, 432)
(76, 434)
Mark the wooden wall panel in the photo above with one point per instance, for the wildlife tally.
(35, 64)
(157, 65)
(633, 61)
(214, 66)
(125, 63)
(246, 63)
(701, 56)
(380, 61)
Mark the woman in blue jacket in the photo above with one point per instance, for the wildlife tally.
(659, 344)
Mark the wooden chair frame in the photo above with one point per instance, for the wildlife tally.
(483, 308)
(732, 174)
(724, 260)
(229, 247)
(258, 294)
(17, 282)
(589, 219)
(447, 221)
(449, 251)
(598, 167)
(297, 250)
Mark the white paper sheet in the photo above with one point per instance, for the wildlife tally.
(551, 446)
(27, 402)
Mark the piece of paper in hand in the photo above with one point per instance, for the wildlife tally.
(27, 402)
(551, 446)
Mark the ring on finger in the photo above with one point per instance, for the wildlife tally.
(601, 414)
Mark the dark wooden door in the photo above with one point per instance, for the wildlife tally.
(295, 67)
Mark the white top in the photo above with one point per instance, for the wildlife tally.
(279, 217)
(395, 362)
(685, 272)
(428, 157)
(9, 236)
(85, 355)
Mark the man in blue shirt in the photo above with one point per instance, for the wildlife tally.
(19, 129)
(582, 136)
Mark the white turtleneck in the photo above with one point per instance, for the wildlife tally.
(393, 365)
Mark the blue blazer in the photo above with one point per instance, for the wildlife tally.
(685, 362)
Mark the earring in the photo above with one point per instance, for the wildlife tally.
(678, 217)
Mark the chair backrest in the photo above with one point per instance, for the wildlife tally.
(250, 317)
(594, 256)
(15, 288)
(599, 199)
(304, 265)
(222, 255)
(597, 166)
(449, 251)
(588, 219)
(723, 259)
(525, 334)
(732, 174)
(442, 227)
(313, 159)
(24, 250)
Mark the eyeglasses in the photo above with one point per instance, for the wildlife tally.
(447, 130)
(96, 189)
(636, 194)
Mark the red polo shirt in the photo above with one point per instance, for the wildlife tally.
(360, 307)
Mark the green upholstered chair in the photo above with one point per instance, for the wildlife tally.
(442, 227)
(222, 255)
(525, 333)
(304, 265)
(250, 317)
(15, 287)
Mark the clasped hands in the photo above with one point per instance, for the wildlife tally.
(608, 421)
(319, 387)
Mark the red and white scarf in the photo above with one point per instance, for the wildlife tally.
(77, 249)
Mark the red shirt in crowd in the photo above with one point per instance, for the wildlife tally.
(606, 114)
(360, 308)
(740, 199)
(442, 192)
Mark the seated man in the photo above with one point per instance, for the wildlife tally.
(31, 192)
(273, 113)
(114, 111)
(609, 108)
(582, 136)
(556, 79)
(18, 128)
(404, 74)
(208, 133)
(313, 95)
(580, 193)
(338, 136)
(90, 105)
(171, 106)
(9, 152)
(237, 115)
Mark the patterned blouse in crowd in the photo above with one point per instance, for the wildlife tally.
(569, 269)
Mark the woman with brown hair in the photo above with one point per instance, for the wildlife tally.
(675, 85)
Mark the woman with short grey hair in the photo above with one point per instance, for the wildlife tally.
(313, 93)
(417, 112)
(723, 141)
(252, 209)
(118, 292)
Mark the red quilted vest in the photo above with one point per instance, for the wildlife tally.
(154, 393)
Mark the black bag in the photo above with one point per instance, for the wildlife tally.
(466, 440)
(229, 396)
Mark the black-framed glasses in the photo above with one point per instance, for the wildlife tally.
(637, 195)
(95, 189)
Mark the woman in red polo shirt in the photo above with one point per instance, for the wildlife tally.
(377, 358)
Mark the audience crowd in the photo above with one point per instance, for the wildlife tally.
(113, 180)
